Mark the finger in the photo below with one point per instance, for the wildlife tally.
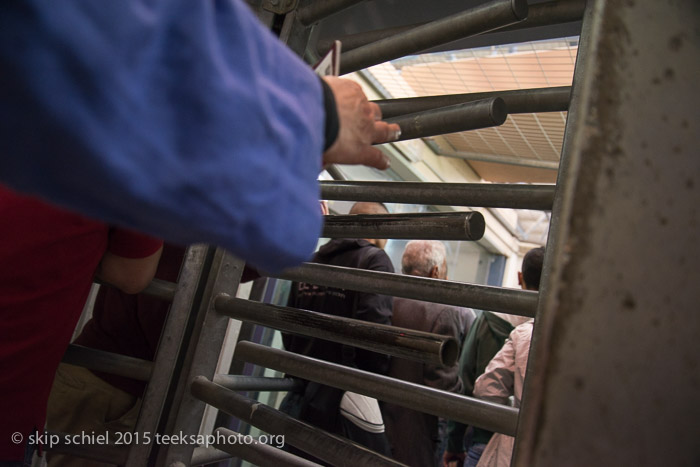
(376, 111)
(373, 157)
(385, 132)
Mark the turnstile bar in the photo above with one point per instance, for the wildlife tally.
(477, 20)
(554, 99)
(392, 340)
(448, 405)
(253, 383)
(257, 453)
(325, 446)
(432, 226)
(483, 113)
(108, 362)
(487, 195)
(482, 297)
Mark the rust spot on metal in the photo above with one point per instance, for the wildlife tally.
(629, 303)
(675, 43)
(579, 383)
(669, 74)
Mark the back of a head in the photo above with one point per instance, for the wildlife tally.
(364, 207)
(532, 268)
(421, 256)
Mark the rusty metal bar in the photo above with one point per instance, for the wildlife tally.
(539, 14)
(482, 297)
(108, 362)
(253, 383)
(257, 453)
(318, 10)
(487, 195)
(482, 113)
(391, 340)
(477, 20)
(433, 226)
(554, 99)
(330, 448)
(468, 410)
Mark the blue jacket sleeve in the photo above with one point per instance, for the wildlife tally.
(184, 119)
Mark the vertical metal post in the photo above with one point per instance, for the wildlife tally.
(168, 349)
(614, 366)
(201, 359)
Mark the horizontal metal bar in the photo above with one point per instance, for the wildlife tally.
(253, 383)
(333, 449)
(432, 226)
(391, 340)
(482, 297)
(206, 456)
(477, 20)
(539, 14)
(108, 362)
(448, 405)
(318, 10)
(453, 118)
(159, 288)
(554, 99)
(86, 446)
(486, 195)
(256, 453)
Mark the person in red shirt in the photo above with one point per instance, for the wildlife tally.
(48, 259)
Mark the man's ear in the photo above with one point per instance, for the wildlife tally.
(521, 282)
(435, 272)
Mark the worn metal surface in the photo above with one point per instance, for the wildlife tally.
(167, 354)
(554, 99)
(474, 21)
(432, 226)
(201, 357)
(615, 369)
(253, 383)
(399, 342)
(539, 14)
(159, 288)
(257, 453)
(333, 449)
(472, 115)
(482, 297)
(108, 362)
(448, 405)
(486, 195)
(206, 456)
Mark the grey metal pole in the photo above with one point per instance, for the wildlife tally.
(539, 14)
(325, 446)
(433, 226)
(399, 342)
(206, 456)
(483, 297)
(453, 118)
(159, 288)
(471, 22)
(487, 195)
(108, 362)
(253, 383)
(451, 406)
(256, 453)
(554, 99)
(318, 10)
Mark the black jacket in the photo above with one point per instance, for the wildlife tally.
(353, 253)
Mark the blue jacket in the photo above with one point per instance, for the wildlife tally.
(185, 119)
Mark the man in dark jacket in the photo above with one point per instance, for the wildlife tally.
(318, 404)
(414, 436)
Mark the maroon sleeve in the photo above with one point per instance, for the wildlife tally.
(130, 244)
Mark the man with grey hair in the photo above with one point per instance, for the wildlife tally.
(415, 437)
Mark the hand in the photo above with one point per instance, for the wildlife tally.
(360, 127)
(324, 208)
(453, 459)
